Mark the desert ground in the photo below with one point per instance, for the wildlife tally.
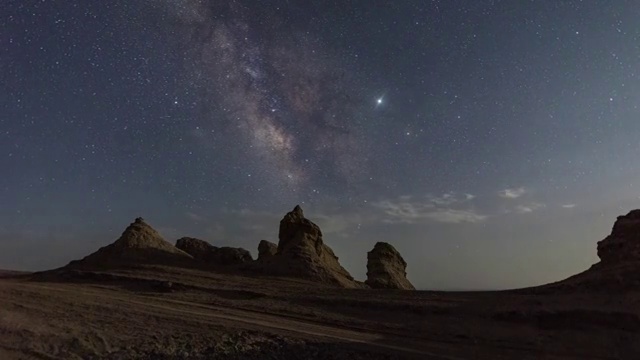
(156, 312)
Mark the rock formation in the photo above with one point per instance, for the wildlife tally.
(199, 249)
(301, 253)
(386, 268)
(266, 249)
(619, 266)
(227, 256)
(623, 245)
(138, 244)
(215, 256)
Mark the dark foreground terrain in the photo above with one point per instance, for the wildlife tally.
(174, 313)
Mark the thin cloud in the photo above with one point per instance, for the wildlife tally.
(512, 193)
(529, 208)
(444, 199)
(406, 212)
(450, 198)
(433, 208)
(456, 216)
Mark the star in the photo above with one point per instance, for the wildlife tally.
(379, 101)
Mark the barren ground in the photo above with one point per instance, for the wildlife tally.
(136, 314)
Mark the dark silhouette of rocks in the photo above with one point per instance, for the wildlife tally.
(138, 244)
(623, 245)
(619, 266)
(266, 249)
(227, 256)
(212, 255)
(301, 253)
(386, 269)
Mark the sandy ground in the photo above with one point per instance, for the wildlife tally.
(170, 313)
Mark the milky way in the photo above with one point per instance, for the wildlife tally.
(291, 100)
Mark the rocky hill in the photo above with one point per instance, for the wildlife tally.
(138, 244)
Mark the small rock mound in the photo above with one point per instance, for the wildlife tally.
(386, 269)
(199, 249)
(266, 249)
(220, 256)
(301, 253)
(227, 256)
(138, 244)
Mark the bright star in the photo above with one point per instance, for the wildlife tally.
(379, 101)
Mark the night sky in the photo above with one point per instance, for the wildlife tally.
(491, 142)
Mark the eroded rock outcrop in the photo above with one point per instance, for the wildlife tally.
(138, 244)
(212, 255)
(199, 249)
(301, 253)
(227, 256)
(386, 269)
(619, 266)
(623, 245)
(266, 249)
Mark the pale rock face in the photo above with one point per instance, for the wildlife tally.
(386, 269)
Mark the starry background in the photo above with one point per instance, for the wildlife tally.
(492, 142)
